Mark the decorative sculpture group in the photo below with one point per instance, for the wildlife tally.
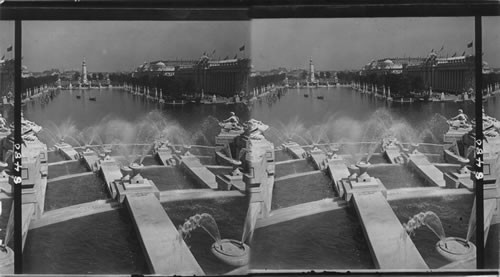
(491, 126)
(460, 121)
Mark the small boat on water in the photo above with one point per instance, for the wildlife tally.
(320, 97)
(78, 97)
(306, 95)
(93, 98)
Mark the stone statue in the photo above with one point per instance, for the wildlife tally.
(459, 121)
(491, 126)
(232, 119)
(255, 129)
(232, 123)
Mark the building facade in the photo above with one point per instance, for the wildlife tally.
(389, 65)
(451, 74)
(226, 77)
(6, 77)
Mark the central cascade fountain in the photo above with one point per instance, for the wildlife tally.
(232, 251)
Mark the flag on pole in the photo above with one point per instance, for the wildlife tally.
(432, 51)
(3, 57)
(442, 48)
(455, 54)
(9, 48)
(463, 54)
(469, 45)
(242, 48)
(213, 52)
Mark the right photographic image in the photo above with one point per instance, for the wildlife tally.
(491, 142)
(373, 126)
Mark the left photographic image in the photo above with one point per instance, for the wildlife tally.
(6, 144)
(135, 137)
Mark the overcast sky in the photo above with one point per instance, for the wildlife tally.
(333, 44)
(351, 43)
(119, 45)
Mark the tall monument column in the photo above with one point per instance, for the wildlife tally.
(84, 72)
(311, 72)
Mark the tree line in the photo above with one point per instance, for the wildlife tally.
(259, 81)
(174, 87)
(34, 82)
(491, 79)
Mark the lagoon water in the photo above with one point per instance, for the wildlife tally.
(341, 108)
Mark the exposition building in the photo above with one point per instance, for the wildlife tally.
(453, 75)
(226, 77)
(6, 77)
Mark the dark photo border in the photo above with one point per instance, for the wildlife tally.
(25, 10)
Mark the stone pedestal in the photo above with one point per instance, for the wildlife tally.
(459, 179)
(227, 182)
(134, 186)
(6, 261)
(361, 184)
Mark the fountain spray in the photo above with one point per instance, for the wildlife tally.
(451, 248)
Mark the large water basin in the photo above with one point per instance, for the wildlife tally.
(55, 156)
(454, 213)
(330, 240)
(282, 155)
(298, 166)
(73, 191)
(104, 243)
(396, 176)
(169, 178)
(300, 190)
(150, 160)
(71, 167)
